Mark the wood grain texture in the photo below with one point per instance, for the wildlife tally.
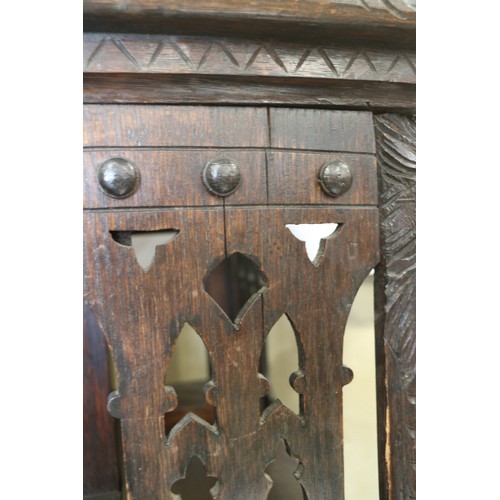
(142, 311)
(293, 178)
(193, 89)
(395, 306)
(171, 176)
(174, 178)
(377, 21)
(127, 68)
(132, 53)
(350, 131)
(100, 454)
(119, 126)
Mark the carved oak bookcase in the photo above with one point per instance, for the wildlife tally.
(223, 124)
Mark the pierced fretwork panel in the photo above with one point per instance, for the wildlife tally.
(142, 310)
(141, 313)
(317, 301)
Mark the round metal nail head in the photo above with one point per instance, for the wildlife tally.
(222, 176)
(335, 178)
(118, 177)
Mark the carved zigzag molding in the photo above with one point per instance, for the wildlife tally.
(401, 9)
(170, 54)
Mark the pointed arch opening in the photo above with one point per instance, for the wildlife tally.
(188, 372)
(281, 363)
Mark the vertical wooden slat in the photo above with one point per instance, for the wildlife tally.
(395, 306)
(100, 468)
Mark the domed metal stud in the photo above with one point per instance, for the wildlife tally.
(222, 176)
(335, 178)
(118, 177)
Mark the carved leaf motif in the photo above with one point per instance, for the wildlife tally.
(396, 147)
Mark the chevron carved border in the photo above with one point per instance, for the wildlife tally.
(215, 56)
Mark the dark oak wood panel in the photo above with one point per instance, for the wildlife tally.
(293, 178)
(395, 306)
(149, 309)
(174, 178)
(290, 178)
(317, 301)
(376, 21)
(348, 131)
(128, 125)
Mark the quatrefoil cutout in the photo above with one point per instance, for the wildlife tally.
(285, 472)
(314, 236)
(196, 484)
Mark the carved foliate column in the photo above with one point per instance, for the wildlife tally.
(395, 305)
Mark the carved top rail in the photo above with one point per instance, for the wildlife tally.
(131, 53)
(389, 22)
(350, 54)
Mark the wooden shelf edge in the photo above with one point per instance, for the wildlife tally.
(390, 24)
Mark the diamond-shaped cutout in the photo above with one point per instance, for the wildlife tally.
(234, 284)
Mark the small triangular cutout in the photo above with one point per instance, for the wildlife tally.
(144, 243)
(314, 236)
